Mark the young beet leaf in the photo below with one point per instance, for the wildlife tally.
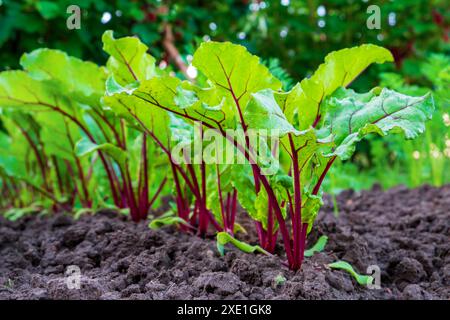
(224, 238)
(351, 116)
(319, 246)
(363, 280)
(128, 61)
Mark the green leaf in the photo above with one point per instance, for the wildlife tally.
(261, 208)
(181, 131)
(19, 90)
(128, 60)
(310, 208)
(83, 81)
(288, 102)
(85, 147)
(308, 144)
(208, 105)
(243, 181)
(161, 222)
(263, 112)
(15, 161)
(230, 67)
(211, 105)
(280, 280)
(351, 116)
(15, 149)
(14, 214)
(80, 212)
(185, 98)
(343, 265)
(283, 181)
(339, 70)
(56, 133)
(224, 238)
(147, 105)
(318, 247)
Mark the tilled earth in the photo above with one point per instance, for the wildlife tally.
(405, 232)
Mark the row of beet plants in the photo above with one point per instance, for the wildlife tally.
(76, 136)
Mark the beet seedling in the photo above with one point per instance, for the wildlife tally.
(224, 238)
(360, 278)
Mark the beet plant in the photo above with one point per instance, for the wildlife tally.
(133, 68)
(56, 126)
(231, 136)
(317, 122)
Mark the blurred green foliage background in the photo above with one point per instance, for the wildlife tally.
(293, 37)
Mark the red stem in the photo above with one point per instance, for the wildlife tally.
(222, 209)
(143, 180)
(111, 127)
(269, 236)
(233, 210)
(68, 185)
(86, 202)
(279, 216)
(261, 233)
(182, 211)
(322, 176)
(131, 200)
(203, 218)
(158, 191)
(228, 212)
(36, 153)
(298, 264)
(102, 157)
(58, 175)
(297, 212)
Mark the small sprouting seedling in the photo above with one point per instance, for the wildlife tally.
(279, 280)
(224, 238)
(363, 280)
(9, 284)
(82, 212)
(167, 219)
(14, 214)
(318, 247)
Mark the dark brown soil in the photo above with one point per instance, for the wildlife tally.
(404, 232)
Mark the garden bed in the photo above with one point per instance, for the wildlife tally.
(404, 232)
